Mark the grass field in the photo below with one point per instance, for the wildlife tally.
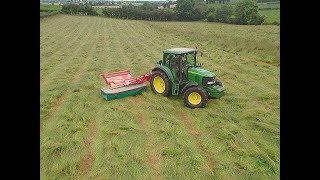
(150, 136)
(272, 15)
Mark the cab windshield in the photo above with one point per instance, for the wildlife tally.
(191, 58)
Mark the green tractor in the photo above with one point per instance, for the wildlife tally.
(179, 74)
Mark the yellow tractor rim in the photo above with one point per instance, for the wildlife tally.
(194, 98)
(159, 84)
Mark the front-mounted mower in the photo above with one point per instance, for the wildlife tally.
(178, 73)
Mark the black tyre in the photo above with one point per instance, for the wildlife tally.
(160, 83)
(195, 97)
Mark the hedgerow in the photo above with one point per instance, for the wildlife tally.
(240, 12)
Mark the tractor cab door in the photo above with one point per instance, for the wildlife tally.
(179, 67)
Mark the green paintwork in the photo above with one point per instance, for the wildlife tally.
(171, 76)
(200, 72)
(189, 84)
(215, 91)
(196, 74)
(118, 93)
(166, 70)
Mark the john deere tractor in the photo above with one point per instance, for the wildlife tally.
(178, 73)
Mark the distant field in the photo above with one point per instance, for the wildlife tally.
(49, 9)
(106, 6)
(99, 9)
(269, 5)
(272, 15)
(150, 136)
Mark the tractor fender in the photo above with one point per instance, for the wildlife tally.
(166, 70)
(190, 84)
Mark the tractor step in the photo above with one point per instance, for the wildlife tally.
(175, 89)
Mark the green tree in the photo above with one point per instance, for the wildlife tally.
(148, 6)
(247, 12)
(184, 9)
(199, 10)
(224, 13)
(191, 9)
(211, 17)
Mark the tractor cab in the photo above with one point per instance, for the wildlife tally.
(185, 55)
(179, 60)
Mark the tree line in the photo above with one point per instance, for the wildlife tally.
(240, 12)
(85, 9)
(147, 11)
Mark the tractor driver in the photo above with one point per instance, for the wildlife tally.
(184, 66)
(179, 64)
(179, 59)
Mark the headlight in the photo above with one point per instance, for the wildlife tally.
(208, 81)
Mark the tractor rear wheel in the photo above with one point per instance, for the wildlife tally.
(195, 97)
(160, 83)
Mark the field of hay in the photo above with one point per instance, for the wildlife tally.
(150, 136)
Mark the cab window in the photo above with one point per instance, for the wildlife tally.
(168, 58)
(191, 58)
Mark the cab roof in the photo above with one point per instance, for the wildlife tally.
(179, 50)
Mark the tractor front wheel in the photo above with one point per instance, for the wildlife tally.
(195, 97)
(160, 83)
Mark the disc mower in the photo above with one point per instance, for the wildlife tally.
(178, 73)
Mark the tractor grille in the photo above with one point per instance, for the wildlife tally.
(206, 80)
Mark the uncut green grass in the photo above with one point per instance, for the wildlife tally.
(50, 7)
(99, 10)
(272, 15)
(269, 5)
(240, 130)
